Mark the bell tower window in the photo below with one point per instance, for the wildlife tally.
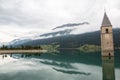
(106, 30)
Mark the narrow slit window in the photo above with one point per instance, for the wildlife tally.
(107, 31)
(109, 54)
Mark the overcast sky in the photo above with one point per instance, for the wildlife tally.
(19, 18)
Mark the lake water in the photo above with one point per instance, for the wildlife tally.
(65, 65)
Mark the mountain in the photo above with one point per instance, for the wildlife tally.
(18, 41)
(64, 30)
(74, 41)
(61, 33)
(69, 41)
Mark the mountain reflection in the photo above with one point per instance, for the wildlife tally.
(71, 72)
(108, 68)
(61, 64)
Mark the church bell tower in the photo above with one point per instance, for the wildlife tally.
(107, 37)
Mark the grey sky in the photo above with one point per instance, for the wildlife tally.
(18, 18)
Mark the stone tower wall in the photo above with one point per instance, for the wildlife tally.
(107, 41)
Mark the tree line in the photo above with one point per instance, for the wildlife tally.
(22, 47)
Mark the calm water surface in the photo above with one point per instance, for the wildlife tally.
(66, 65)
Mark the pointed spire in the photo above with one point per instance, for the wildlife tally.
(106, 22)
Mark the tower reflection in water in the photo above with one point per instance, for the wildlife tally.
(108, 68)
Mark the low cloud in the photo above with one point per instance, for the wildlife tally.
(71, 25)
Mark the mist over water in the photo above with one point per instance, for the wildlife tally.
(66, 65)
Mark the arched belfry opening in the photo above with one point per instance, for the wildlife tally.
(106, 30)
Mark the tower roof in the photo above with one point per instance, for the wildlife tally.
(106, 21)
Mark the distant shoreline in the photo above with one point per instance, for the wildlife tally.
(21, 51)
(68, 48)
